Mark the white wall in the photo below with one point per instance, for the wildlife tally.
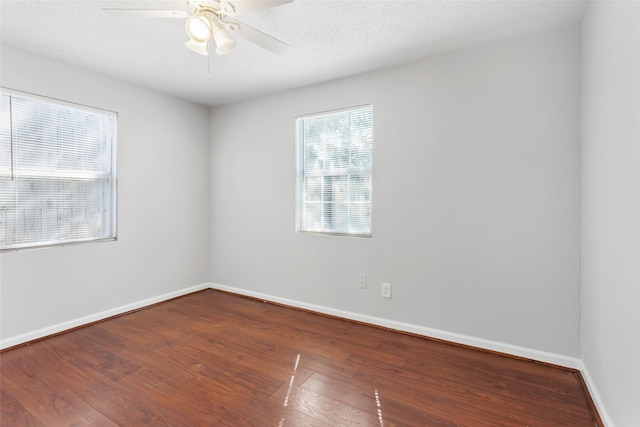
(163, 214)
(476, 195)
(610, 266)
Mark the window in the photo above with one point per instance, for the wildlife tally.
(57, 172)
(335, 152)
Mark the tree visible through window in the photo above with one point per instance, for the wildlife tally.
(57, 172)
(335, 153)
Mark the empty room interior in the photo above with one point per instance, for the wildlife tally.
(320, 213)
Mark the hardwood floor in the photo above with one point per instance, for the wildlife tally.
(217, 359)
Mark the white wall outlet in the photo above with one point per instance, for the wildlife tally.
(386, 290)
(362, 281)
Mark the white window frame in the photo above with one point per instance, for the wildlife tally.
(15, 178)
(348, 172)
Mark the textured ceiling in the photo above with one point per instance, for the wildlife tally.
(328, 40)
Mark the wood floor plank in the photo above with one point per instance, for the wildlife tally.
(13, 413)
(358, 396)
(45, 400)
(216, 359)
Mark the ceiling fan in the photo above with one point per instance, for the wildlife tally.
(207, 20)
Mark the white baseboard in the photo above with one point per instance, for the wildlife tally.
(595, 396)
(542, 356)
(81, 321)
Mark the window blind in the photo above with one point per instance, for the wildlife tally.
(334, 172)
(57, 172)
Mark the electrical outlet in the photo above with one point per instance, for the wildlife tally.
(386, 290)
(362, 281)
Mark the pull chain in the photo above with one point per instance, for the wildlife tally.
(208, 62)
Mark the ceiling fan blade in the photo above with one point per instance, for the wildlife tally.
(146, 13)
(240, 7)
(257, 37)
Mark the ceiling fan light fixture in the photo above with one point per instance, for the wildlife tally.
(224, 43)
(198, 28)
(197, 47)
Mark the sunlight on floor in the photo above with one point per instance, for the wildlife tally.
(379, 405)
(291, 381)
